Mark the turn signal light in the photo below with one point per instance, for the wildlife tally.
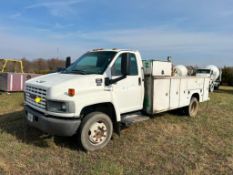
(71, 92)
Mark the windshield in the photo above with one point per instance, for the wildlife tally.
(91, 63)
(203, 71)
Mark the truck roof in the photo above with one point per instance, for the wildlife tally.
(113, 49)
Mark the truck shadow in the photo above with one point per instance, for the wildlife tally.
(224, 91)
(15, 124)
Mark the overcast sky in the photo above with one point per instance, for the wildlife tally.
(198, 32)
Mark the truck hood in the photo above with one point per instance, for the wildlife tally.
(58, 83)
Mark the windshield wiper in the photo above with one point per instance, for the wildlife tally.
(79, 71)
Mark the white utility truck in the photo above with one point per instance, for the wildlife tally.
(215, 75)
(105, 89)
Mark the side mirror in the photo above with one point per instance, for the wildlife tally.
(107, 81)
(125, 64)
(68, 61)
(125, 70)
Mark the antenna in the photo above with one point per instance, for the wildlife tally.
(57, 52)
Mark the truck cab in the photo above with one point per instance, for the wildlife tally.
(105, 81)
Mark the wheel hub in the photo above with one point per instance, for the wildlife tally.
(97, 133)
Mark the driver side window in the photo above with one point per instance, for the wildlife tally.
(116, 68)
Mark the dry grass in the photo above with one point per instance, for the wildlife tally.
(166, 144)
(10, 102)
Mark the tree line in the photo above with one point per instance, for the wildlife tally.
(227, 75)
(42, 66)
(37, 66)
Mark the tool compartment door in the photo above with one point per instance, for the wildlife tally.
(161, 95)
(184, 97)
(206, 89)
(174, 93)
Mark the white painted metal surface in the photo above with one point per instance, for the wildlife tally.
(175, 92)
(161, 94)
(157, 68)
(180, 71)
(205, 94)
(126, 90)
(215, 72)
(183, 100)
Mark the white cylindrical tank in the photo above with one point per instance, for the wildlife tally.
(180, 71)
(215, 70)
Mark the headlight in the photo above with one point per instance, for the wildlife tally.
(56, 106)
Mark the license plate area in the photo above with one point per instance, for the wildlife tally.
(30, 117)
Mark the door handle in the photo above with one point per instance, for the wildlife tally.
(139, 81)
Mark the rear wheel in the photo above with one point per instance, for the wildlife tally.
(193, 107)
(216, 87)
(95, 131)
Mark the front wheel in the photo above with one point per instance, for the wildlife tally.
(193, 107)
(95, 131)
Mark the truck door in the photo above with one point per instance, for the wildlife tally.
(127, 93)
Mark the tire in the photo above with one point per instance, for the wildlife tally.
(193, 107)
(212, 88)
(95, 131)
(216, 87)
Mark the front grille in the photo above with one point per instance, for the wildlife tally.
(31, 93)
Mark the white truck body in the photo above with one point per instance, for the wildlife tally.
(171, 92)
(51, 108)
(165, 92)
